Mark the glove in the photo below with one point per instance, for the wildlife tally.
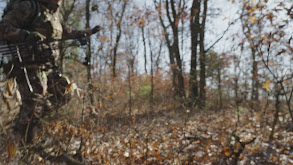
(83, 39)
(95, 29)
(34, 36)
(89, 32)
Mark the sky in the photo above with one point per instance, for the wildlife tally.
(215, 27)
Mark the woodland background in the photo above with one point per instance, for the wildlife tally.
(170, 82)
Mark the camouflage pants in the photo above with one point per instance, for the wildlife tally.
(48, 94)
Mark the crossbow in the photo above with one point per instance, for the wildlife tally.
(17, 53)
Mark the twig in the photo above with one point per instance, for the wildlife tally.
(242, 144)
(61, 158)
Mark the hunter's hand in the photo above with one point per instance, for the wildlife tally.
(96, 29)
(35, 36)
(93, 30)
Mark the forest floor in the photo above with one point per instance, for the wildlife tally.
(167, 136)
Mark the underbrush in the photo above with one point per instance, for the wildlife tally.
(165, 136)
(131, 126)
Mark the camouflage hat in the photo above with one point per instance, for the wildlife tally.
(51, 1)
(52, 4)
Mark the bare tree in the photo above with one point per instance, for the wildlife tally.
(194, 30)
(118, 23)
(173, 16)
(247, 30)
(202, 58)
(89, 53)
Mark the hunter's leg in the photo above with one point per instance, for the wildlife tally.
(33, 103)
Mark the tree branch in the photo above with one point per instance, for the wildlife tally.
(227, 29)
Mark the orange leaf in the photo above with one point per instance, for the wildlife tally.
(227, 153)
(11, 150)
(133, 119)
(275, 159)
(253, 20)
(69, 87)
(266, 85)
(103, 38)
(255, 148)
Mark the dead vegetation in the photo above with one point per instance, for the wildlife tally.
(112, 133)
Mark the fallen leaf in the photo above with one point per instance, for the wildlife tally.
(11, 150)
(227, 153)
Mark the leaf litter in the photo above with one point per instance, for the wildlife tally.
(195, 138)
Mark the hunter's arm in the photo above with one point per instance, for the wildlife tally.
(71, 33)
(13, 23)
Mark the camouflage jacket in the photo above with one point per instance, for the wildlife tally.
(15, 25)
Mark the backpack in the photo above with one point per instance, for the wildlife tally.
(35, 8)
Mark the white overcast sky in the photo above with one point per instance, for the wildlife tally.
(215, 26)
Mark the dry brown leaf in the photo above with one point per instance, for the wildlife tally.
(11, 149)
(227, 153)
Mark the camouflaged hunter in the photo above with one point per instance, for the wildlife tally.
(41, 87)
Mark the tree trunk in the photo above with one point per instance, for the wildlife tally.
(152, 80)
(202, 58)
(219, 78)
(247, 31)
(180, 78)
(130, 69)
(89, 54)
(175, 48)
(194, 30)
(170, 49)
(173, 17)
(277, 107)
(255, 82)
(144, 49)
(118, 37)
(152, 71)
